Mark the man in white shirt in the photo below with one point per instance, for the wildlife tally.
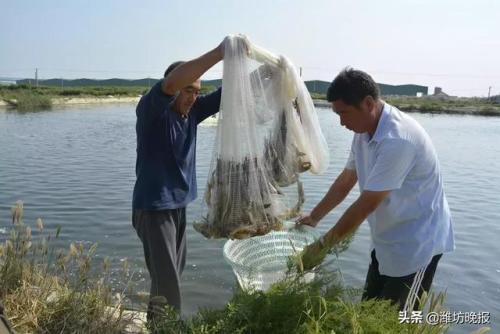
(401, 194)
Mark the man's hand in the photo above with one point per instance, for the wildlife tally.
(192, 70)
(246, 42)
(220, 48)
(307, 220)
(312, 256)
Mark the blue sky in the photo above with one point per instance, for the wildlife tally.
(452, 44)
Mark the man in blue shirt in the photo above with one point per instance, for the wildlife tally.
(167, 120)
(395, 164)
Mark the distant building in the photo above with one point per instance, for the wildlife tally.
(403, 90)
(440, 95)
(438, 92)
(320, 87)
(495, 99)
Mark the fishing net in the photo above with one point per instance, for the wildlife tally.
(267, 134)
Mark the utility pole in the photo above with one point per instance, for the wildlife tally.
(36, 77)
(489, 91)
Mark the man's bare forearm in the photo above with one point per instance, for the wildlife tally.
(347, 224)
(335, 195)
(367, 202)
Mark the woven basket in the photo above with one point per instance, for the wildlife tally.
(261, 261)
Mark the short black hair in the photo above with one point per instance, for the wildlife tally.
(352, 86)
(172, 67)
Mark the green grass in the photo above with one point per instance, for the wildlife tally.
(50, 290)
(473, 106)
(426, 104)
(291, 306)
(27, 101)
(318, 96)
(13, 91)
(28, 98)
(294, 307)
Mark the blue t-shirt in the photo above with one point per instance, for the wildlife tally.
(166, 148)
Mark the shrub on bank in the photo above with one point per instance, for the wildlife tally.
(48, 290)
(294, 307)
(26, 101)
(45, 290)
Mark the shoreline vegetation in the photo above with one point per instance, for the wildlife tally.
(52, 290)
(431, 105)
(29, 98)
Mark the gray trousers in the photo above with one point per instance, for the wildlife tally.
(163, 236)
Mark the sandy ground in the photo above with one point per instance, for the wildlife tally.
(111, 99)
(95, 100)
(59, 101)
(210, 121)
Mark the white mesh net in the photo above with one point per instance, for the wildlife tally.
(267, 134)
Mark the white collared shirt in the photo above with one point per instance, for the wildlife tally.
(413, 223)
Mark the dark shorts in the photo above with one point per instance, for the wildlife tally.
(404, 291)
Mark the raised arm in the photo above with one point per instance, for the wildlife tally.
(191, 71)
